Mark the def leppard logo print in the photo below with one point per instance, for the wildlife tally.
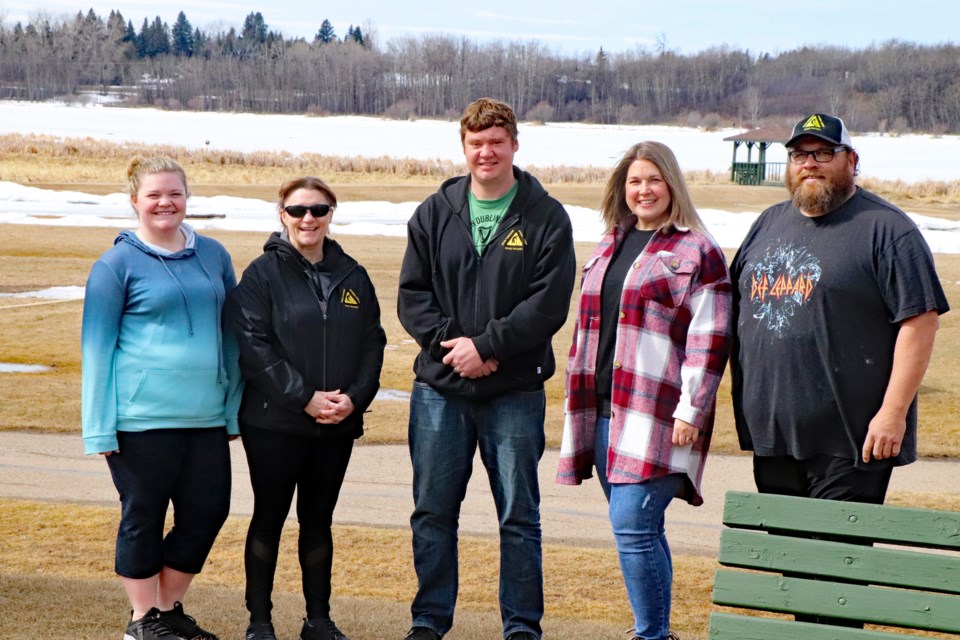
(781, 283)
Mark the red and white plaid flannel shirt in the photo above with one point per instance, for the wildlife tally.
(672, 346)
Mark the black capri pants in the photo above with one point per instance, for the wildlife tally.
(188, 467)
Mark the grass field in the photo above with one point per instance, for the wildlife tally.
(55, 560)
(48, 333)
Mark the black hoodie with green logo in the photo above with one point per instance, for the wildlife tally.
(510, 300)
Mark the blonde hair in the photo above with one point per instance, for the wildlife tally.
(613, 206)
(486, 113)
(140, 167)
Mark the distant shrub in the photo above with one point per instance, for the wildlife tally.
(900, 126)
(628, 114)
(541, 113)
(404, 109)
(711, 121)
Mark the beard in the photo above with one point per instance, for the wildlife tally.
(822, 197)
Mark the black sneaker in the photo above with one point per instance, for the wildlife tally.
(321, 629)
(149, 627)
(422, 633)
(184, 626)
(521, 635)
(261, 631)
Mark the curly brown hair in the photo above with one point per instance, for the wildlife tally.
(485, 113)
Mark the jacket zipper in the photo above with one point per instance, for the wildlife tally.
(323, 314)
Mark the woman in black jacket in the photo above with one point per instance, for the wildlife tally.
(311, 348)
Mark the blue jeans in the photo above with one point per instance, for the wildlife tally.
(444, 434)
(637, 517)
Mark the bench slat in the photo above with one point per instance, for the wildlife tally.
(878, 605)
(846, 562)
(900, 525)
(728, 626)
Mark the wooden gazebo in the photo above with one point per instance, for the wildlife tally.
(759, 171)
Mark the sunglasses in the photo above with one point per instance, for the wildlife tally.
(299, 210)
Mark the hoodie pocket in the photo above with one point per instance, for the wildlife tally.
(176, 395)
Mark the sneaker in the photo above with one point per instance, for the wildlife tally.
(422, 633)
(149, 627)
(184, 626)
(261, 631)
(321, 629)
(521, 635)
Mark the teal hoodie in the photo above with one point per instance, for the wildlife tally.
(155, 355)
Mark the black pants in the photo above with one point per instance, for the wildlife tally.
(825, 478)
(188, 467)
(280, 463)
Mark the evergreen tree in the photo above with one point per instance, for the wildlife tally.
(182, 33)
(155, 38)
(326, 33)
(227, 44)
(354, 35)
(254, 29)
(131, 33)
(200, 42)
(143, 38)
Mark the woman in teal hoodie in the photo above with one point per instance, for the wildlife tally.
(161, 390)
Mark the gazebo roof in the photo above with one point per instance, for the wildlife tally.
(763, 134)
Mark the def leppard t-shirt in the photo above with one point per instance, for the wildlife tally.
(817, 308)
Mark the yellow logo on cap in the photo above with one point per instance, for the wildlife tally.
(813, 122)
(350, 299)
(514, 241)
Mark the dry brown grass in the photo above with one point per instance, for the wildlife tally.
(55, 560)
(49, 334)
(35, 159)
(44, 548)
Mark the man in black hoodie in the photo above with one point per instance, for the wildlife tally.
(485, 283)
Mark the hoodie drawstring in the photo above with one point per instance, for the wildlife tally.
(220, 364)
(183, 294)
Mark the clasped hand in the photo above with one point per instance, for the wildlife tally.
(329, 407)
(465, 359)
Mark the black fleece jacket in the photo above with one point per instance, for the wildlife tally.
(510, 300)
(303, 328)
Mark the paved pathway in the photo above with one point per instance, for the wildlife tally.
(376, 492)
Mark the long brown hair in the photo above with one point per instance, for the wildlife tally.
(613, 207)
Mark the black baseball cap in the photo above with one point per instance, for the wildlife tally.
(822, 126)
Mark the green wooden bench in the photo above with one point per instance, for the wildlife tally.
(840, 577)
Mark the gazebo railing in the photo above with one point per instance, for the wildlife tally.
(758, 172)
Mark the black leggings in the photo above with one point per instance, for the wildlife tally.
(280, 463)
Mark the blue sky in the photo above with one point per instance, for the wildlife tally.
(568, 26)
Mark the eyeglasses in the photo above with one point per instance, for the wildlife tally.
(300, 210)
(820, 155)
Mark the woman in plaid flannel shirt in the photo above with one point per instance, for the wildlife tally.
(650, 345)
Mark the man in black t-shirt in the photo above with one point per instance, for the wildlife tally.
(836, 308)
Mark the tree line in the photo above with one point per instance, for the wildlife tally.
(893, 86)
